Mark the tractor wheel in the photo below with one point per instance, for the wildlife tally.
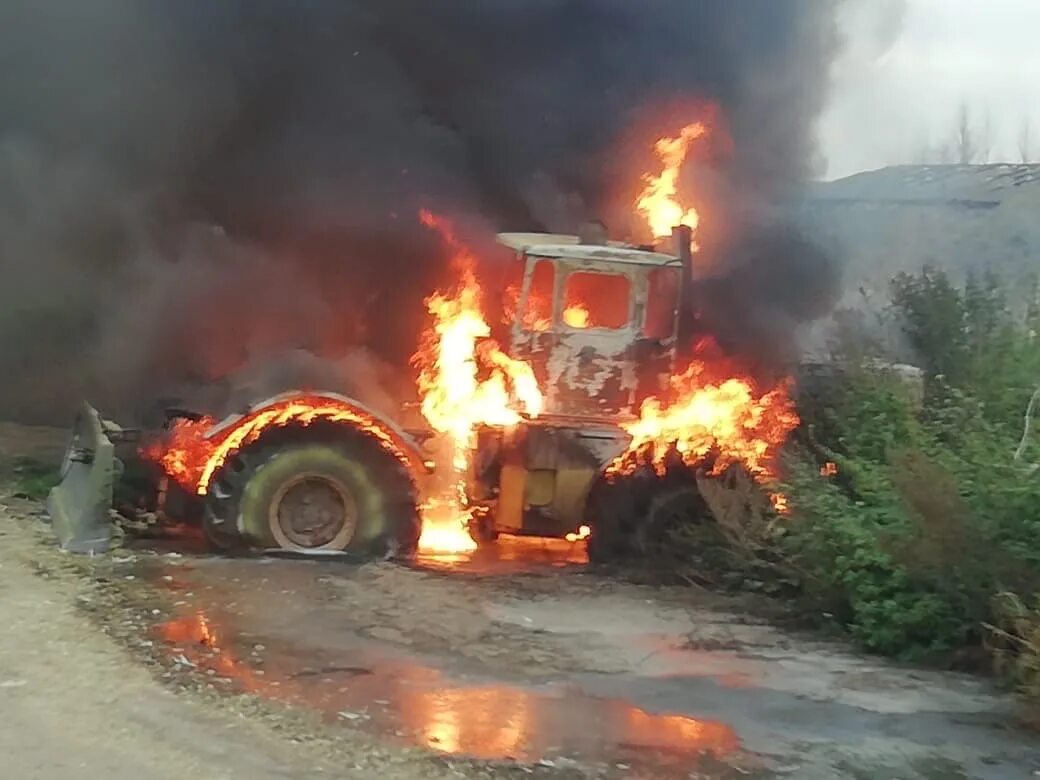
(482, 528)
(673, 511)
(220, 535)
(611, 514)
(635, 516)
(334, 494)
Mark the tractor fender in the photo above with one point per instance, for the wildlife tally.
(405, 443)
(374, 466)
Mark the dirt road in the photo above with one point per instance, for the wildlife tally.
(77, 703)
(76, 706)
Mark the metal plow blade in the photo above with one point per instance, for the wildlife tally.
(79, 506)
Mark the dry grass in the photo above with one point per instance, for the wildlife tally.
(1013, 640)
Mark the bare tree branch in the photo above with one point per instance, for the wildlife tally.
(984, 140)
(1025, 140)
(964, 137)
(971, 144)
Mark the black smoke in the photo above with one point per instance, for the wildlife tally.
(190, 187)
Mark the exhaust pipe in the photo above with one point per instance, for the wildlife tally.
(682, 239)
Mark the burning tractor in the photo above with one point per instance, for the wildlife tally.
(532, 440)
(592, 424)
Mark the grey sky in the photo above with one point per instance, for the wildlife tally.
(910, 63)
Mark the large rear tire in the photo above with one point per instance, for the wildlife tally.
(315, 494)
(635, 517)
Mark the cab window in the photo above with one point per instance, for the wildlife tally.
(593, 300)
(537, 310)
(662, 299)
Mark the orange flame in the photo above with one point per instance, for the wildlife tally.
(465, 381)
(182, 451)
(829, 469)
(577, 315)
(659, 200)
(534, 314)
(714, 424)
(192, 459)
(583, 533)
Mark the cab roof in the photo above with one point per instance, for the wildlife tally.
(566, 247)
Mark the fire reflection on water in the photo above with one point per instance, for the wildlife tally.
(487, 722)
(416, 701)
(512, 552)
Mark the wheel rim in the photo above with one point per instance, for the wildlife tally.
(313, 511)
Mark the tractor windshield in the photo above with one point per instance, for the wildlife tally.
(596, 300)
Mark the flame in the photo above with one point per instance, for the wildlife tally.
(829, 469)
(465, 381)
(534, 315)
(182, 451)
(577, 315)
(659, 200)
(714, 425)
(583, 533)
(192, 458)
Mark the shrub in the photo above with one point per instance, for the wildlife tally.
(929, 516)
(33, 478)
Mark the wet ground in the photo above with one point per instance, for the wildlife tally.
(522, 653)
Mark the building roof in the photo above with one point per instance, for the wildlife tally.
(569, 248)
(969, 185)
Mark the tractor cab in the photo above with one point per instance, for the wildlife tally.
(596, 319)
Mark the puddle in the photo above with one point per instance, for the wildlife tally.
(509, 555)
(400, 697)
(645, 704)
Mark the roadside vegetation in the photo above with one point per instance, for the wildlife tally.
(915, 505)
(913, 492)
(31, 478)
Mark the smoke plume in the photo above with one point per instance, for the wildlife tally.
(189, 188)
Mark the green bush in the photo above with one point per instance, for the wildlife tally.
(32, 478)
(929, 515)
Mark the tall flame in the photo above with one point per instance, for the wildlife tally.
(465, 381)
(659, 200)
